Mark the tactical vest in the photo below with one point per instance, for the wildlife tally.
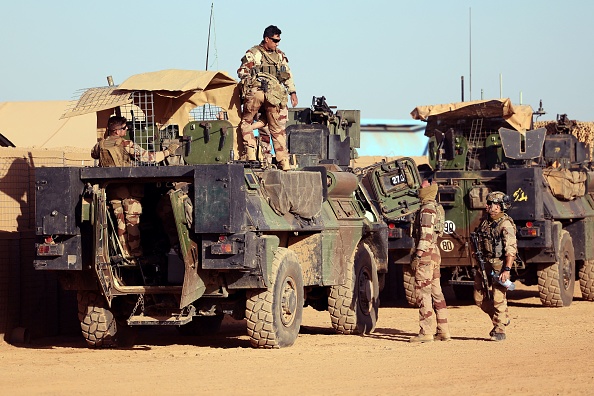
(112, 153)
(492, 244)
(270, 75)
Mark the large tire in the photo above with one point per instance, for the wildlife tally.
(202, 326)
(408, 281)
(381, 281)
(354, 306)
(587, 280)
(556, 281)
(97, 322)
(274, 315)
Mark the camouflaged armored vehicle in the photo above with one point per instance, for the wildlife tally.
(219, 236)
(483, 146)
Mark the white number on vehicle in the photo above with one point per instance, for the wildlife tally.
(446, 245)
(449, 227)
(397, 179)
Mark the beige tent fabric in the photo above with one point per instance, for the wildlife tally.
(518, 116)
(176, 93)
(38, 124)
(177, 80)
(187, 89)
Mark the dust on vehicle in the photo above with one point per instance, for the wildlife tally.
(491, 145)
(219, 235)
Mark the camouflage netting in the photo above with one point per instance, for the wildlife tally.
(584, 131)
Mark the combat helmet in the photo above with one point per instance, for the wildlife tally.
(499, 198)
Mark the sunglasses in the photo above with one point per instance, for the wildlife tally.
(124, 128)
(276, 41)
(489, 203)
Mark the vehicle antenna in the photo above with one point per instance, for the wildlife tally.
(208, 43)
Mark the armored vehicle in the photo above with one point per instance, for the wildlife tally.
(218, 235)
(490, 145)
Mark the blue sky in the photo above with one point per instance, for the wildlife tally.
(383, 57)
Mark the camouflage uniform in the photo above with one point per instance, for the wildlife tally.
(427, 274)
(498, 240)
(266, 79)
(125, 198)
(265, 143)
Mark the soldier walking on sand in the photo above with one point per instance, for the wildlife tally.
(426, 261)
(497, 238)
(266, 79)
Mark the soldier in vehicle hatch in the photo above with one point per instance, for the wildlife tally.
(266, 79)
(426, 260)
(125, 198)
(497, 236)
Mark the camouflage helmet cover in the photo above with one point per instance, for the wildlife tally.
(499, 198)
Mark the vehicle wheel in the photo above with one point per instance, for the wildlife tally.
(408, 276)
(97, 322)
(202, 326)
(381, 281)
(354, 306)
(274, 315)
(587, 280)
(557, 281)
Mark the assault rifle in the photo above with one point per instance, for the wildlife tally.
(479, 257)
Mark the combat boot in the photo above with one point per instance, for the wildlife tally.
(442, 337)
(421, 338)
(284, 164)
(498, 337)
(250, 153)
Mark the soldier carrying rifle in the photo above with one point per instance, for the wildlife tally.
(497, 242)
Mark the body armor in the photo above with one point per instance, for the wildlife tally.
(112, 153)
(269, 76)
(490, 235)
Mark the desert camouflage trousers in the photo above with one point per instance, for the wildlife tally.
(127, 214)
(496, 308)
(430, 297)
(275, 118)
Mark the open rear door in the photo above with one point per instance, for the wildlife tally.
(194, 284)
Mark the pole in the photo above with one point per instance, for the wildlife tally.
(208, 43)
(470, 53)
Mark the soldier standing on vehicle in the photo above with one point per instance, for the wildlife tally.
(125, 198)
(266, 79)
(497, 236)
(426, 262)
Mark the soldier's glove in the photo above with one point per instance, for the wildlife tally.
(414, 263)
(173, 148)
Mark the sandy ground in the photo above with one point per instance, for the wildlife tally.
(548, 352)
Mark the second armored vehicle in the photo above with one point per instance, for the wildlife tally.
(490, 145)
